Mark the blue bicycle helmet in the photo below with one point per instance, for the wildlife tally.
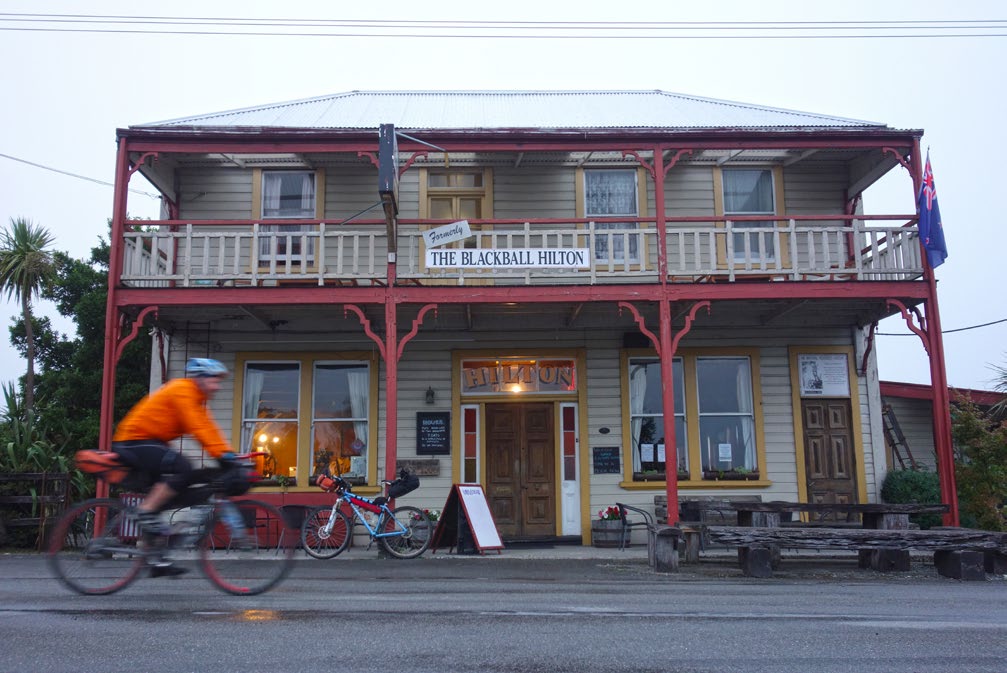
(197, 367)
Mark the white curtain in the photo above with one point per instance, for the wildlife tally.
(254, 380)
(637, 391)
(745, 405)
(607, 193)
(359, 384)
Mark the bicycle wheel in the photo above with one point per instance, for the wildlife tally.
(316, 541)
(414, 531)
(249, 555)
(95, 547)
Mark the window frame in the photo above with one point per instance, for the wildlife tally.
(633, 260)
(689, 358)
(780, 255)
(273, 223)
(305, 413)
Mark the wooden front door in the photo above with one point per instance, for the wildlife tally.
(829, 459)
(521, 469)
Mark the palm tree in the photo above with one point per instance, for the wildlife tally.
(25, 265)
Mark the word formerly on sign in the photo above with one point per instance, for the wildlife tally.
(510, 258)
(449, 233)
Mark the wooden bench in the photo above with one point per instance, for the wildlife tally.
(960, 553)
(698, 512)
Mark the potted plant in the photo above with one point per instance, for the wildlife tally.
(420, 528)
(606, 530)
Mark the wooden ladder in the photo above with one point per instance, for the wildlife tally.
(895, 438)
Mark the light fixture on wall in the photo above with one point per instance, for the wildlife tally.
(431, 396)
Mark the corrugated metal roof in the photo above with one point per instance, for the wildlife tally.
(511, 110)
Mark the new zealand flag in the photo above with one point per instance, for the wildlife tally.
(931, 230)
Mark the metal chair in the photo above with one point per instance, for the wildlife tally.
(628, 526)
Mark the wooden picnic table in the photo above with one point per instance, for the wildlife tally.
(883, 516)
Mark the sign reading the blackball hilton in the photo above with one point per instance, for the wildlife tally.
(509, 258)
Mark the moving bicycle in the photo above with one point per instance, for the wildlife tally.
(244, 547)
(140, 449)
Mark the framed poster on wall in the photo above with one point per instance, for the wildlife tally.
(823, 375)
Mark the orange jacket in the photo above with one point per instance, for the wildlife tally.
(175, 409)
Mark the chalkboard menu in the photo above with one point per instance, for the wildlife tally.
(605, 459)
(433, 432)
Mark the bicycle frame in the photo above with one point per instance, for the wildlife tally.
(374, 532)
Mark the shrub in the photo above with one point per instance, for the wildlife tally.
(910, 486)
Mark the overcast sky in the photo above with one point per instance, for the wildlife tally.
(65, 93)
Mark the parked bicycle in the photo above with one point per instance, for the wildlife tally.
(403, 532)
(244, 547)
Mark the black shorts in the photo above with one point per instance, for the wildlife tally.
(158, 460)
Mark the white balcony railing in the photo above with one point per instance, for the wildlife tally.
(233, 253)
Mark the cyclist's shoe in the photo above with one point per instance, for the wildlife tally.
(161, 566)
(167, 570)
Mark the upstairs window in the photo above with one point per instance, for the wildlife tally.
(750, 192)
(613, 193)
(287, 195)
(459, 195)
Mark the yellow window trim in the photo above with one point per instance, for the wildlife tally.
(780, 205)
(306, 360)
(855, 420)
(642, 189)
(257, 207)
(689, 357)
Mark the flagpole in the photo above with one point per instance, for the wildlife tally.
(938, 372)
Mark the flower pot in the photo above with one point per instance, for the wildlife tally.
(606, 532)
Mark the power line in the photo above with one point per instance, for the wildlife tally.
(508, 29)
(950, 331)
(75, 175)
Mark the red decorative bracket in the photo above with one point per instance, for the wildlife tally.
(409, 162)
(688, 323)
(898, 157)
(123, 342)
(677, 335)
(367, 327)
(139, 162)
(639, 321)
(920, 331)
(650, 167)
(416, 327)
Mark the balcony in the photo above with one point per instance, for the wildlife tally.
(231, 253)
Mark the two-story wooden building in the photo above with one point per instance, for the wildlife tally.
(564, 292)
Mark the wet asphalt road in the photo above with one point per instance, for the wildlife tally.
(450, 613)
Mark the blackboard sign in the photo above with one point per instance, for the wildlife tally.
(433, 432)
(605, 459)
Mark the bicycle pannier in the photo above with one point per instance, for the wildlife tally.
(406, 483)
(102, 464)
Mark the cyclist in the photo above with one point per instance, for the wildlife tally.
(177, 408)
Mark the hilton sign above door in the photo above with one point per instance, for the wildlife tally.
(525, 375)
